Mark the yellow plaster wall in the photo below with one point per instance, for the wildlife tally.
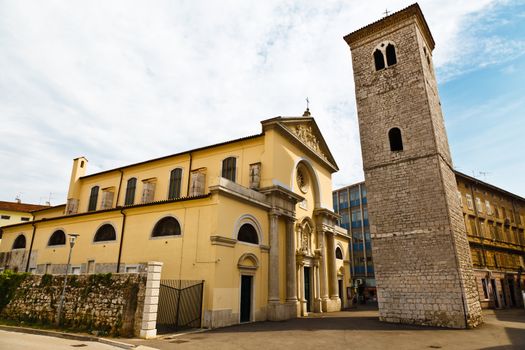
(15, 217)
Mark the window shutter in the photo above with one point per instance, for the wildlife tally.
(107, 199)
(72, 206)
(148, 192)
(198, 180)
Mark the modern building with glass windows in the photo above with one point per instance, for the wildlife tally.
(351, 203)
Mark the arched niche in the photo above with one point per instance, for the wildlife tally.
(248, 261)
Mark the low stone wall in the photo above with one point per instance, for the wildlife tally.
(103, 304)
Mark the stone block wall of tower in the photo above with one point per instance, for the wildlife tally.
(422, 259)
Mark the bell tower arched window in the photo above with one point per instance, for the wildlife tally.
(379, 59)
(391, 58)
(396, 141)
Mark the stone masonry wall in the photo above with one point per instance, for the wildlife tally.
(102, 304)
(422, 260)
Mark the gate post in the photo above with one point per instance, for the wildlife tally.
(151, 301)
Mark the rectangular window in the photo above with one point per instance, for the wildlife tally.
(132, 269)
(75, 270)
(356, 218)
(130, 191)
(107, 198)
(363, 191)
(175, 183)
(255, 175)
(334, 202)
(343, 199)
(460, 199)
(197, 182)
(354, 196)
(489, 208)
(365, 216)
(148, 190)
(6, 217)
(479, 207)
(345, 219)
(93, 198)
(25, 218)
(228, 168)
(72, 206)
(32, 270)
(470, 204)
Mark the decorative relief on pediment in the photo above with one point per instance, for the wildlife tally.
(306, 135)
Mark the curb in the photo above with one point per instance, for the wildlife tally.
(63, 335)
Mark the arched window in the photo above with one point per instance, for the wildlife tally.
(20, 242)
(248, 233)
(396, 142)
(338, 253)
(391, 55)
(175, 183)
(130, 191)
(93, 197)
(168, 226)
(106, 232)
(228, 168)
(379, 59)
(57, 238)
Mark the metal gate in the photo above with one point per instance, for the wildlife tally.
(180, 305)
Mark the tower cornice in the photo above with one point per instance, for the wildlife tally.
(411, 11)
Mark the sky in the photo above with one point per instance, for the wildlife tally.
(125, 81)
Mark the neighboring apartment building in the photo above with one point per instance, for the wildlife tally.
(16, 212)
(251, 217)
(495, 224)
(351, 203)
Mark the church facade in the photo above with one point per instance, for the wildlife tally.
(249, 217)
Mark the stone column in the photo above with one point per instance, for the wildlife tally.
(318, 307)
(303, 299)
(148, 329)
(332, 267)
(273, 272)
(322, 270)
(291, 282)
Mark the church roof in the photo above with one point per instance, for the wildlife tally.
(396, 17)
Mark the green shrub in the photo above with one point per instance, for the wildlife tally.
(9, 282)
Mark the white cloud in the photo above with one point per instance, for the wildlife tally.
(122, 82)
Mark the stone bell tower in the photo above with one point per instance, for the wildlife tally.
(421, 254)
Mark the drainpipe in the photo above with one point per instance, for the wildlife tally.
(121, 238)
(119, 186)
(31, 246)
(189, 177)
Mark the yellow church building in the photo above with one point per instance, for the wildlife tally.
(251, 217)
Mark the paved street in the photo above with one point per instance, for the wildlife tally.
(22, 341)
(355, 330)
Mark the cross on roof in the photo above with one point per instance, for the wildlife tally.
(386, 12)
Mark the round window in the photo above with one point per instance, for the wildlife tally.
(302, 179)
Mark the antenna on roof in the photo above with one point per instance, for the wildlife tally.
(17, 198)
(307, 112)
(386, 12)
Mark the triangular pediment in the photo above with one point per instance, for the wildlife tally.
(304, 131)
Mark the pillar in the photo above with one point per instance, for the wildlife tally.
(332, 268)
(322, 270)
(273, 278)
(318, 306)
(291, 281)
(148, 328)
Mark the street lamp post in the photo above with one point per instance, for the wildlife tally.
(72, 240)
